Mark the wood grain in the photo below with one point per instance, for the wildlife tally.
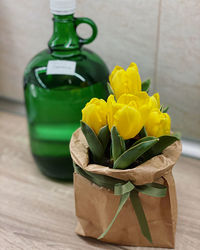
(37, 213)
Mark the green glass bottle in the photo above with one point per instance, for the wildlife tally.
(58, 82)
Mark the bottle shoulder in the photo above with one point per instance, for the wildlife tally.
(93, 56)
(89, 69)
(44, 56)
(39, 60)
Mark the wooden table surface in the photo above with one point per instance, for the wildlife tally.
(37, 213)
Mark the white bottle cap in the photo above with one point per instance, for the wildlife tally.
(62, 7)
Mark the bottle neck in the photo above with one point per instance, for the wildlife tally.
(64, 41)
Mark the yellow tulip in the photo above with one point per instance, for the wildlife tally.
(140, 100)
(125, 82)
(158, 123)
(94, 114)
(126, 118)
(155, 100)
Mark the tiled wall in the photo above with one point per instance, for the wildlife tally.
(162, 36)
(178, 63)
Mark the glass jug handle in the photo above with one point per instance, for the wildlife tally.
(88, 21)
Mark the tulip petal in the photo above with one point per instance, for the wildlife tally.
(128, 81)
(94, 114)
(113, 107)
(117, 68)
(128, 122)
(119, 83)
(158, 123)
(155, 100)
(134, 79)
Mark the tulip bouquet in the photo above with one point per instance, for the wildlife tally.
(123, 157)
(131, 127)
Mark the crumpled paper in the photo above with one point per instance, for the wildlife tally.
(96, 207)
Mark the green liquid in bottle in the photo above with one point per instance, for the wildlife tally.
(54, 101)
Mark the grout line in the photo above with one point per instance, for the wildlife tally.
(10, 100)
(12, 106)
(155, 87)
(21, 113)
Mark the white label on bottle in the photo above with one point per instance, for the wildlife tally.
(61, 67)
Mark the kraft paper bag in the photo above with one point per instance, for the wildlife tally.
(96, 206)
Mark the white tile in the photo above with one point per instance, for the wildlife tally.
(127, 31)
(25, 27)
(178, 71)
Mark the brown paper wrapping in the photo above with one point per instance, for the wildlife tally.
(96, 206)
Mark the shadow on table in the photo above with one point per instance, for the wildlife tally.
(100, 244)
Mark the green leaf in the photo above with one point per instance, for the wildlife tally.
(110, 90)
(164, 142)
(123, 200)
(104, 136)
(146, 85)
(133, 153)
(177, 135)
(147, 138)
(165, 109)
(94, 143)
(143, 132)
(118, 144)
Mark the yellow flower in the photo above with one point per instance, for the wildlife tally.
(158, 123)
(140, 100)
(155, 100)
(125, 116)
(125, 82)
(94, 114)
